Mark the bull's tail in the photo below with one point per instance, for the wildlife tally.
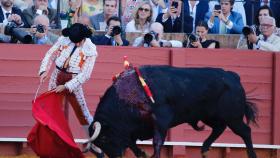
(251, 112)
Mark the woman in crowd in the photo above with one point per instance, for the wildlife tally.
(262, 11)
(200, 39)
(142, 19)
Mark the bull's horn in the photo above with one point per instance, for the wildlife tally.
(97, 127)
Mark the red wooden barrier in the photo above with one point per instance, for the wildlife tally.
(260, 74)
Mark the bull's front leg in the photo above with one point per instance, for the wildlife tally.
(137, 151)
(158, 138)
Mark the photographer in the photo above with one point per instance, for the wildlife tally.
(9, 12)
(154, 38)
(40, 7)
(184, 14)
(199, 40)
(113, 35)
(267, 40)
(40, 31)
(222, 20)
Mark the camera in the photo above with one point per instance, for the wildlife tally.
(174, 4)
(247, 30)
(116, 30)
(218, 8)
(16, 33)
(148, 37)
(40, 28)
(193, 38)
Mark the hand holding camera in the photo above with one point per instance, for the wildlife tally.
(38, 30)
(42, 10)
(194, 41)
(15, 18)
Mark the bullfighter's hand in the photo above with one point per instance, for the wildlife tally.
(59, 88)
(43, 76)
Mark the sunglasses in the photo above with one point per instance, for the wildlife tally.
(144, 9)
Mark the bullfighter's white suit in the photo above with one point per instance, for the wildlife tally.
(73, 68)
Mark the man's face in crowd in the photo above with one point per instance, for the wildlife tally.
(7, 3)
(110, 7)
(226, 6)
(39, 3)
(114, 23)
(267, 26)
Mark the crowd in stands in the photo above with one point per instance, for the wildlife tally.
(152, 18)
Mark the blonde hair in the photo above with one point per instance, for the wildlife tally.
(136, 15)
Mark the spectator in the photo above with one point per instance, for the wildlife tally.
(172, 20)
(84, 19)
(262, 12)
(23, 4)
(40, 31)
(267, 40)
(113, 35)
(92, 7)
(99, 21)
(225, 21)
(142, 19)
(200, 39)
(9, 12)
(251, 8)
(128, 8)
(159, 6)
(41, 7)
(237, 7)
(154, 38)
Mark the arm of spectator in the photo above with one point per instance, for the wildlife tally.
(269, 46)
(162, 4)
(130, 26)
(237, 25)
(210, 19)
(138, 42)
(28, 18)
(212, 45)
(176, 44)
(242, 43)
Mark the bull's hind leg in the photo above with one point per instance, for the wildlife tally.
(217, 130)
(244, 131)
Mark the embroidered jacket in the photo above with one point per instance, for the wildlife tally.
(81, 62)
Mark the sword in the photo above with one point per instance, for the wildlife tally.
(37, 91)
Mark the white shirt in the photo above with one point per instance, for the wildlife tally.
(5, 21)
(272, 43)
(130, 27)
(193, 12)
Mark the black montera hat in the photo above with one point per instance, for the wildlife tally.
(77, 32)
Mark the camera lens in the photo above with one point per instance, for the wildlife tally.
(40, 28)
(193, 38)
(116, 30)
(247, 30)
(148, 38)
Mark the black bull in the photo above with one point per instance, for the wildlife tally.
(182, 95)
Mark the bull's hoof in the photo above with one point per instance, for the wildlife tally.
(204, 154)
(143, 155)
(98, 155)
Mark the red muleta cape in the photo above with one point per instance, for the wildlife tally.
(51, 136)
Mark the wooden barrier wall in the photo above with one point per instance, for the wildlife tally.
(259, 71)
